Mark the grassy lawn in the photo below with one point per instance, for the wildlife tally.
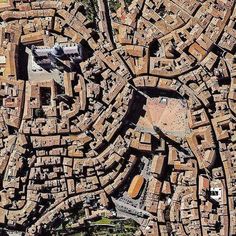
(100, 227)
(77, 234)
(3, 1)
(129, 227)
(103, 221)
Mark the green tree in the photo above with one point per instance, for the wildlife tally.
(39, 112)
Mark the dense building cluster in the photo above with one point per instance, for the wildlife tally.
(132, 115)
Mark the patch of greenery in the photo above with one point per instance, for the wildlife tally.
(107, 227)
(78, 234)
(39, 113)
(114, 5)
(91, 7)
(103, 221)
(128, 2)
(3, 1)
